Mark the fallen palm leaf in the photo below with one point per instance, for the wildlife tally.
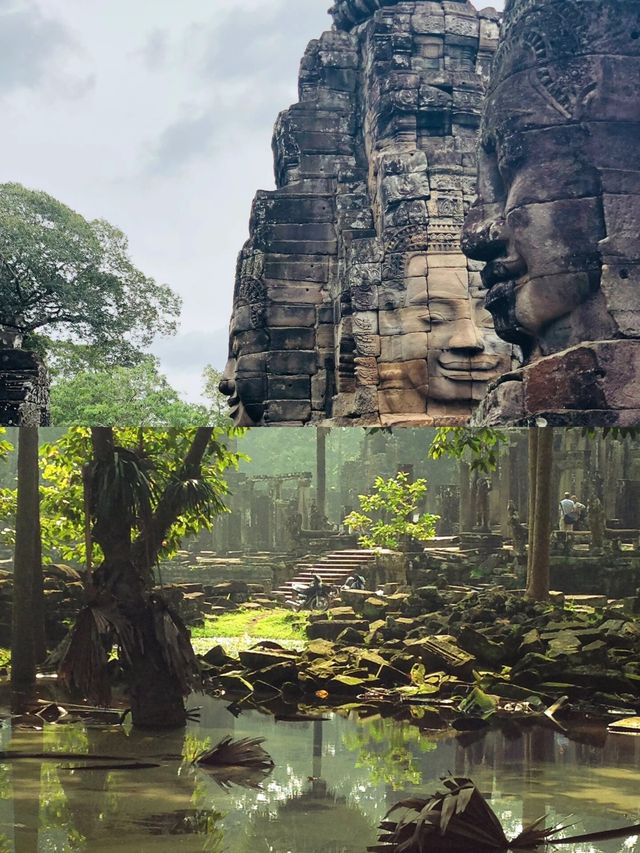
(550, 712)
(241, 762)
(247, 752)
(460, 820)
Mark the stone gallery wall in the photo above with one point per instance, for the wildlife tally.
(353, 301)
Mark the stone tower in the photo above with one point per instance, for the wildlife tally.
(353, 301)
(24, 389)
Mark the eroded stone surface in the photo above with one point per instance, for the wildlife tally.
(557, 220)
(353, 301)
(24, 394)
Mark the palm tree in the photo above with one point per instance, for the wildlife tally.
(130, 521)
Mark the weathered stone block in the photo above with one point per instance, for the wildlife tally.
(292, 338)
(285, 411)
(292, 363)
(289, 387)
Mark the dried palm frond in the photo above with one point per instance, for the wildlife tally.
(84, 658)
(240, 762)
(175, 643)
(242, 777)
(247, 752)
(459, 820)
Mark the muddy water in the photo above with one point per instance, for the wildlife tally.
(333, 782)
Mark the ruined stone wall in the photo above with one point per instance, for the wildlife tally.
(24, 389)
(353, 300)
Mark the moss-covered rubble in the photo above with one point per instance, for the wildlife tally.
(478, 651)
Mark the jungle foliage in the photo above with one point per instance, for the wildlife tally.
(159, 471)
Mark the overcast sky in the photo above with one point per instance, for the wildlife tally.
(157, 116)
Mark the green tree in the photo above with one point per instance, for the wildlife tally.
(135, 498)
(390, 515)
(478, 447)
(66, 275)
(219, 404)
(138, 395)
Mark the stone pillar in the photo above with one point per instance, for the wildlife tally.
(467, 521)
(321, 473)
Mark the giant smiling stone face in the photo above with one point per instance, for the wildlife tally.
(445, 351)
(557, 219)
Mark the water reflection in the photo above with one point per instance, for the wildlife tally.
(332, 783)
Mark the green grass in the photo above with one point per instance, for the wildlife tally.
(5, 657)
(258, 624)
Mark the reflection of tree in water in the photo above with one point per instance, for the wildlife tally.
(388, 751)
(316, 821)
(74, 810)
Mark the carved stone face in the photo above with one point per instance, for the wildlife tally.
(445, 351)
(464, 353)
(558, 212)
(244, 380)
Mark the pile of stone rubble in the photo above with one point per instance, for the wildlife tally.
(479, 650)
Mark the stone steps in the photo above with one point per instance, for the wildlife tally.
(333, 569)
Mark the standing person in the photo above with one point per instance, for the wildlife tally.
(580, 512)
(567, 512)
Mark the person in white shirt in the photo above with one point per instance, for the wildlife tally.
(568, 515)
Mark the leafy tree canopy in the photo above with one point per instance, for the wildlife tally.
(479, 447)
(74, 278)
(218, 402)
(391, 514)
(138, 395)
(162, 452)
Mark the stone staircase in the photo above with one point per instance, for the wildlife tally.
(333, 568)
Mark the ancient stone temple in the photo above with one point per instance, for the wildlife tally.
(24, 387)
(353, 301)
(557, 220)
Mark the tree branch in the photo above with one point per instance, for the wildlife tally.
(148, 544)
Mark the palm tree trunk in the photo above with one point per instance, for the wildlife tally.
(27, 631)
(538, 581)
(532, 440)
